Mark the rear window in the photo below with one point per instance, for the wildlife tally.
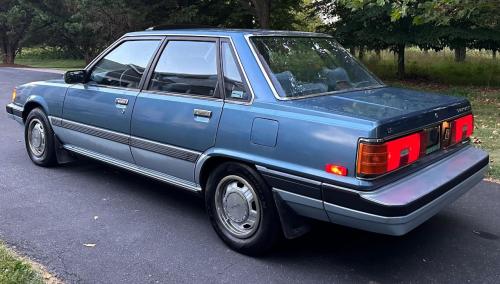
(304, 66)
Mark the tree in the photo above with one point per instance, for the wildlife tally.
(15, 20)
(261, 9)
(429, 24)
(370, 25)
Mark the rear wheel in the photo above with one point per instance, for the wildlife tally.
(241, 208)
(39, 139)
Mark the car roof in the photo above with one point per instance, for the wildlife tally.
(220, 32)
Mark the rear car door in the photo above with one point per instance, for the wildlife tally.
(176, 115)
(96, 115)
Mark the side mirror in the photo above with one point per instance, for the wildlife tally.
(76, 76)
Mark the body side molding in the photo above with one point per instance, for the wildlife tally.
(134, 168)
(140, 143)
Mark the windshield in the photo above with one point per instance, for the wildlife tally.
(304, 66)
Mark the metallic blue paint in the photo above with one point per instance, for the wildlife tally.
(298, 137)
(264, 132)
(96, 106)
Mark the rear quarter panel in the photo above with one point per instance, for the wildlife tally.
(306, 140)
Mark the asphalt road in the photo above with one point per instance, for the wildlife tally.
(147, 232)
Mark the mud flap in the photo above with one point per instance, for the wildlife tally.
(63, 156)
(293, 225)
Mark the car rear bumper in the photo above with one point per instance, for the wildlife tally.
(399, 207)
(15, 112)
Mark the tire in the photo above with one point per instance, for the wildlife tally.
(39, 139)
(235, 194)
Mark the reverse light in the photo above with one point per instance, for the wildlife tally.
(336, 169)
(14, 95)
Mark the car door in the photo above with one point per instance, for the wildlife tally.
(176, 116)
(97, 114)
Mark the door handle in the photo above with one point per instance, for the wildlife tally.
(121, 101)
(202, 113)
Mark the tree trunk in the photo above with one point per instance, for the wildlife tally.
(263, 11)
(9, 55)
(494, 54)
(401, 61)
(88, 57)
(378, 55)
(352, 50)
(361, 53)
(460, 53)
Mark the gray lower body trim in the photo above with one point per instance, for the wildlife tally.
(303, 205)
(400, 225)
(16, 118)
(140, 143)
(134, 168)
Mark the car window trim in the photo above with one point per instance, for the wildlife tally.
(88, 69)
(218, 94)
(240, 71)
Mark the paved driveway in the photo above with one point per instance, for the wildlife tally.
(147, 232)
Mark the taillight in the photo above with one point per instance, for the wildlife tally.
(375, 159)
(378, 159)
(462, 128)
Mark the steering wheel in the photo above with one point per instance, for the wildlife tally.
(130, 67)
(342, 84)
(358, 84)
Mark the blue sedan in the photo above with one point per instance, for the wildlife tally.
(272, 128)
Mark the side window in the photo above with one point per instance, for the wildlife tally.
(187, 67)
(233, 83)
(124, 65)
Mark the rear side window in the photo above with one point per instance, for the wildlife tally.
(124, 65)
(187, 67)
(233, 82)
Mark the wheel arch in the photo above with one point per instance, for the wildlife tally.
(207, 163)
(32, 103)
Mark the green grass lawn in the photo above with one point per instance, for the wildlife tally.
(16, 271)
(479, 69)
(63, 64)
(48, 57)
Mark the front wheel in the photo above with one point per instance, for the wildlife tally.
(241, 208)
(39, 139)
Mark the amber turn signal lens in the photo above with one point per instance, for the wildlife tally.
(372, 159)
(14, 95)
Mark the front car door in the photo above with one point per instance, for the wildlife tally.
(176, 116)
(96, 115)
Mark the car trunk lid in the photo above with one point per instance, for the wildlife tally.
(394, 110)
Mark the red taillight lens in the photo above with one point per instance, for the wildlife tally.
(462, 128)
(403, 151)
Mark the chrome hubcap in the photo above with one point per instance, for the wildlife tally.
(36, 137)
(237, 206)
